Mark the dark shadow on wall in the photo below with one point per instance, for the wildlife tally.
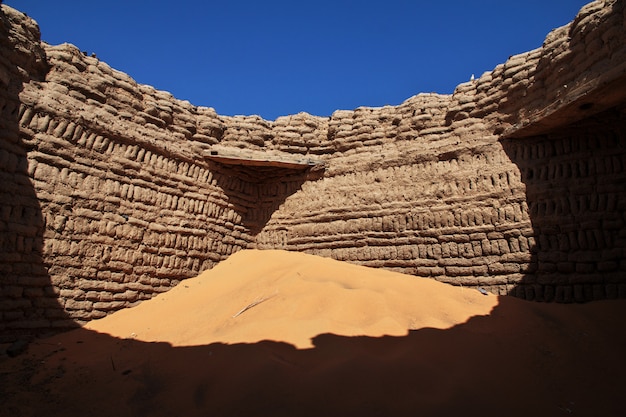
(256, 192)
(575, 180)
(29, 304)
(523, 359)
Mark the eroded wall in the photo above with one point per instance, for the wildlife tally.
(107, 198)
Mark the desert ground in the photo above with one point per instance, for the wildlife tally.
(274, 333)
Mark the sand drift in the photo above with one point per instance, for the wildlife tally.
(280, 333)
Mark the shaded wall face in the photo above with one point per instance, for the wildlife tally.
(28, 301)
(575, 182)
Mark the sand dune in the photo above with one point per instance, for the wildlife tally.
(278, 333)
(293, 297)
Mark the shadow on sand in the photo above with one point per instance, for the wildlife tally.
(523, 359)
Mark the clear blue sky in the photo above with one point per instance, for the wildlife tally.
(276, 58)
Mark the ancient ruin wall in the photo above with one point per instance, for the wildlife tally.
(433, 188)
(104, 200)
(108, 197)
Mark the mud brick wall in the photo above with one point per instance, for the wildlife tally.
(513, 183)
(127, 213)
(104, 200)
(576, 191)
(431, 188)
(428, 208)
(24, 282)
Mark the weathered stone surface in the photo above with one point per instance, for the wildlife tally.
(515, 182)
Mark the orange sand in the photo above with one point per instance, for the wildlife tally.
(293, 297)
(277, 333)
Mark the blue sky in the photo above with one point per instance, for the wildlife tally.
(275, 58)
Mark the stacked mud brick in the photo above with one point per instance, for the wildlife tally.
(516, 182)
